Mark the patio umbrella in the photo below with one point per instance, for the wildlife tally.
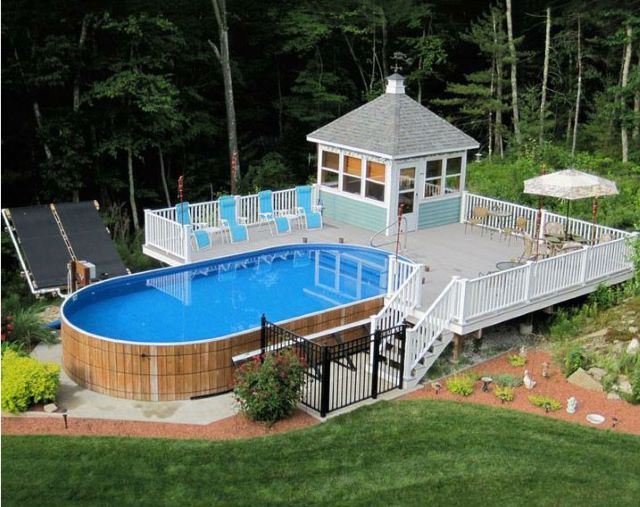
(571, 184)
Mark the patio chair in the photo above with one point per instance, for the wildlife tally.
(236, 232)
(273, 219)
(199, 234)
(529, 253)
(478, 216)
(555, 229)
(309, 213)
(519, 229)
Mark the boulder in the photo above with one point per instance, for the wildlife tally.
(623, 385)
(50, 407)
(634, 347)
(582, 379)
(597, 373)
(613, 396)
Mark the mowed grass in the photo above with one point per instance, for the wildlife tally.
(391, 453)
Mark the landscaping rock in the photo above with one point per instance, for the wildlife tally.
(613, 396)
(623, 385)
(597, 373)
(582, 379)
(50, 407)
(634, 347)
(633, 329)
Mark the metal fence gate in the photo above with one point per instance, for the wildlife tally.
(341, 374)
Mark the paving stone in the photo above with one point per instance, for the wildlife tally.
(50, 407)
(582, 379)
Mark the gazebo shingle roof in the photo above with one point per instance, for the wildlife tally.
(393, 125)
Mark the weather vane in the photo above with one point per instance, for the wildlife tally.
(398, 56)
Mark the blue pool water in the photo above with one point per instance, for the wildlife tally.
(216, 298)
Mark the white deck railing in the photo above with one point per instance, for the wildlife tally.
(587, 230)
(404, 291)
(162, 229)
(431, 325)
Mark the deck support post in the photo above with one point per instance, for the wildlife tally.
(458, 342)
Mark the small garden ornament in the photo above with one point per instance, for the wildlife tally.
(545, 370)
(437, 386)
(572, 404)
(528, 382)
(523, 352)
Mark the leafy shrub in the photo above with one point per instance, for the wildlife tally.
(604, 297)
(461, 385)
(27, 327)
(635, 386)
(270, 390)
(26, 380)
(507, 380)
(575, 357)
(546, 402)
(504, 393)
(16, 347)
(517, 360)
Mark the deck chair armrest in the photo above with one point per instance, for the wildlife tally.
(317, 208)
(300, 211)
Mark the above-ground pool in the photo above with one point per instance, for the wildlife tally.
(172, 333)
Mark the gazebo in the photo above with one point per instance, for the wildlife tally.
(389, 152)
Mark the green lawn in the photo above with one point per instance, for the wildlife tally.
(392, 453)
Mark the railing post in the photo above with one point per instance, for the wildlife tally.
(527, 281)
(584, 258)
(263, 336)
(393, 269)
(418, 287)
(147, 226)
(326, 382)
(543, 221)
(462, 288)
(463, 206)
(376, 364)
(186, 242)
(403, 358)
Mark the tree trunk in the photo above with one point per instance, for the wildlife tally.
(76, 80)
(514, 80)
(636, 117)
(490, 115)
(356, 61)
(132, 190)
(499, 144)
(38, 116)
(578, 92)
(222, 54)
(280, 103)
(385, 44)
(545, 75)
(163, 176)
(624, 135)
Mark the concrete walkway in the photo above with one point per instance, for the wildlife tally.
(81, 402)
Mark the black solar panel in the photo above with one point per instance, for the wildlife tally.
(89, 237)
(44, 250)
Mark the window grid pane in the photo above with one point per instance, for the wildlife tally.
(330, 160)
(375, 171)
(353, 166)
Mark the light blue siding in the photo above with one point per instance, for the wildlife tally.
(354, 212)
(439, 212)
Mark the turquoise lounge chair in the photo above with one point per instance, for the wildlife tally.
(237, 232)
(308, 211)
(199, 235)
(266, 215)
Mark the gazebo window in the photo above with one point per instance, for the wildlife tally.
(352, 177)
(374, 188)
(433, 178)
(329, 175)
(452, 177)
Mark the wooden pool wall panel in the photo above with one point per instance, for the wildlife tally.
(178, 372)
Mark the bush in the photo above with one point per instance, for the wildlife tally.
(517, 360)
(635, 386)
(461, 385)
(504, 393)
(546, 402)
(575, 357)
(26, 380)
(27, 327)
(270, 390)
(507, 380)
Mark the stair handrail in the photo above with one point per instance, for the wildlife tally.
(391, 242)
(445, 302)
(408, 289)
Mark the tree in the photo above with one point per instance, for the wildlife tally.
(578, 91)
(626, 63)
(545, 74)
(514, 81)
(222, 54)
(142, 98)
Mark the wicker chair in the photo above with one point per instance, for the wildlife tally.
(478, 216)
(530, 253)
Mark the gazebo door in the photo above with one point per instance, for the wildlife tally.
(408, 196)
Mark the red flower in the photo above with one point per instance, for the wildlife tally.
(4, 337)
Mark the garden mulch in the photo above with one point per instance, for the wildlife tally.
(233, 427)
(556, 386)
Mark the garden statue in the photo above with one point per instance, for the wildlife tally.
(523, 351)
(545, 370)
(528, 382)
(572, 404)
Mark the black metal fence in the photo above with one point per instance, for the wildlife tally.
(341, 374)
